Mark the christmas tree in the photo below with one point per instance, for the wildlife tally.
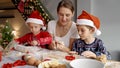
(7, 35)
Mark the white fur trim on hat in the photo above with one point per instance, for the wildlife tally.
(33, 20)
(89, 23)
(85, 22)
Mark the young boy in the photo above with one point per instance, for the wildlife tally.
(36, 37)
(88, 45)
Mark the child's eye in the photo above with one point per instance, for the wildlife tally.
(78, 30)
(35, 26)
(82, 30)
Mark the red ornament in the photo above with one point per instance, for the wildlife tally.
(21, 6)
(70, 57)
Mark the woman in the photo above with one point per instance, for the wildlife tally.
(63, 30)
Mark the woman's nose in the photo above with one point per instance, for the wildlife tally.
(64, 18)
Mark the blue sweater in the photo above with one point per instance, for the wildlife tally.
(96, 47)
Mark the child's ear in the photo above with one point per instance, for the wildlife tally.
(93, 30)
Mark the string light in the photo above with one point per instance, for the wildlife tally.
(30, 5)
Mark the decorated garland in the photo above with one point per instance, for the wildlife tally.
(27, 6)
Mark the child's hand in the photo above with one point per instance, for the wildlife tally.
(34, 43)
(88, 54)
(73, 53)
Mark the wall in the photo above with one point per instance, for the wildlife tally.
(83, 5)
(52, 7)
(17, 23)
(108, 12)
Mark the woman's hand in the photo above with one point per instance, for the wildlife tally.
(88, 54)
(53, 45)
(56, 45)
(62, 47)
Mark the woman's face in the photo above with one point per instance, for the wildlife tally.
(34, 28)
(65, 15)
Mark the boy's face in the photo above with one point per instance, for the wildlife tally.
(84, 31)
(34, 28)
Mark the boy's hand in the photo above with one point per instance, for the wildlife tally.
(73, 53)
(88, 54)
(34, 43)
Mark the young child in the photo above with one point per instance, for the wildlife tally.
(36, 37)
(88, 45)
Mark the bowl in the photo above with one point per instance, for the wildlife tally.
(86, 63)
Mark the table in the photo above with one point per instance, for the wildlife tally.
(112, 64)
(12, 58)
(44, 53)
(40, 54)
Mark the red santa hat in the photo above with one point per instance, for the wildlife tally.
(35, 17)
(90, 20)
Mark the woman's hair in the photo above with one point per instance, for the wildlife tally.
(67, 4)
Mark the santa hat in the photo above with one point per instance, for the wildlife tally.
(35, 17)
(90, 20)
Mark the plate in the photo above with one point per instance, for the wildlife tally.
(86, 63)
(46, 63)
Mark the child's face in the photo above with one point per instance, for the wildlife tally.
(85, 31)
(34, 28)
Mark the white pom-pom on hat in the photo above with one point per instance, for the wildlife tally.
(98, 32)
(43, 28)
